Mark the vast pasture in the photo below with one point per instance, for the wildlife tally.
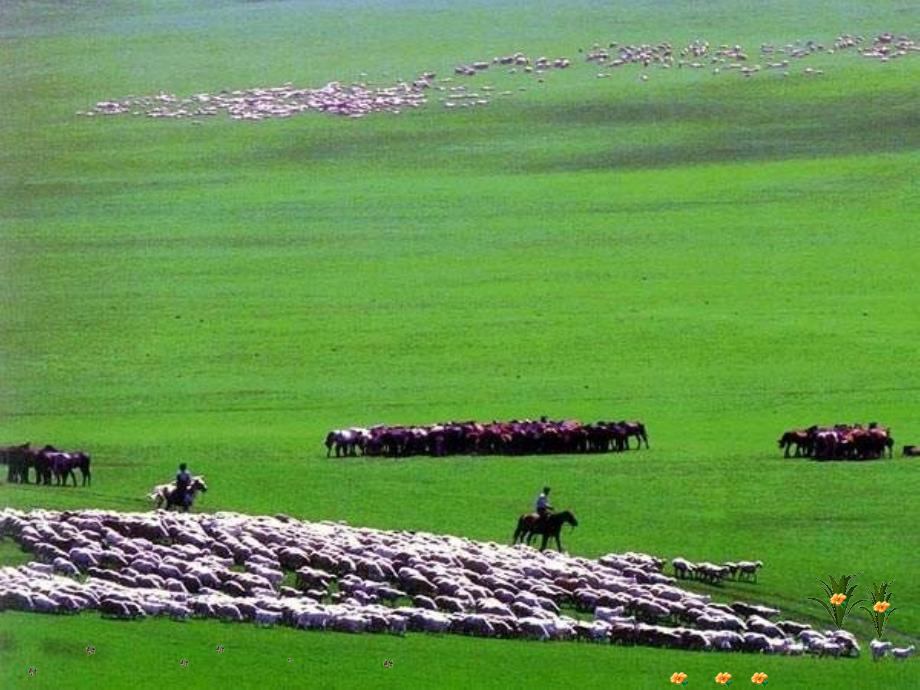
(723, 258)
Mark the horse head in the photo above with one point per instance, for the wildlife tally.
(568, 517)
(199, 485)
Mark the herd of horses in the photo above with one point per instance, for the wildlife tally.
(527, 437)
(839, 442)
(516, 437)
(49, 463)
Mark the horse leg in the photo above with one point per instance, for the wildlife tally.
(558, 543)
(545, 539)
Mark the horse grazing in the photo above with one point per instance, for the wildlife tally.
(346, 442)
(801, 439)
(635, 430)
(166, 493)
(529, 524)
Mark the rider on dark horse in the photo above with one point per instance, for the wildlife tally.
(543, 508)
(183, 483)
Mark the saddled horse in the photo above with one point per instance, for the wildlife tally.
(529, 524)
(167, 494)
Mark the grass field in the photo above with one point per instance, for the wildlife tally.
(721, 258)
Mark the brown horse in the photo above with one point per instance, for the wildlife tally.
(530, 524)
(801, 439)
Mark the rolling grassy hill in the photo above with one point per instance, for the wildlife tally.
(722, 258)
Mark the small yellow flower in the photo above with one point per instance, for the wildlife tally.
(881, 606)
(838, 599)
(759, 678)
(723, 678)
(678, 678)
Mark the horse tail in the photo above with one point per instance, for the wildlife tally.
(84, 468)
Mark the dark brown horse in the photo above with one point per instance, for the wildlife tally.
(18, 460)
(635, 430)
(801, 439)
(529, 524)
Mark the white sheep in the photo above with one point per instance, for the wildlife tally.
(903, 653)
(879, 649)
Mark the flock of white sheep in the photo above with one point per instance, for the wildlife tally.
(715, 574)
(360, 98)
(355, 100)
(329, 576)
(699, 54)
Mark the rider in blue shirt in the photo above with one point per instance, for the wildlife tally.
(183, 482)
(543, 507)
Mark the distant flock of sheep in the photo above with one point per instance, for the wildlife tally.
(361, 98)
(355, 100)
(517, 437)
(329, 576)
(699, 54)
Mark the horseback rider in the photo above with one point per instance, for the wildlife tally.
(543, 507)
(183, 483)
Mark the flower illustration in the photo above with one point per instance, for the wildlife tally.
(881, 610)
(759, 679)
(679, 678)
(724, 678)
(839, 593)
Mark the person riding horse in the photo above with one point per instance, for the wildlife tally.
(183, 483)
(543, 508)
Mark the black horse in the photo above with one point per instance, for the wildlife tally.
(18, 460)
(530, 524)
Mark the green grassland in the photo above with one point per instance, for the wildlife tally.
(722, 258)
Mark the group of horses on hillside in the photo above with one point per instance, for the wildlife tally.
(517, 437)
(50, 464)
(839, 442)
